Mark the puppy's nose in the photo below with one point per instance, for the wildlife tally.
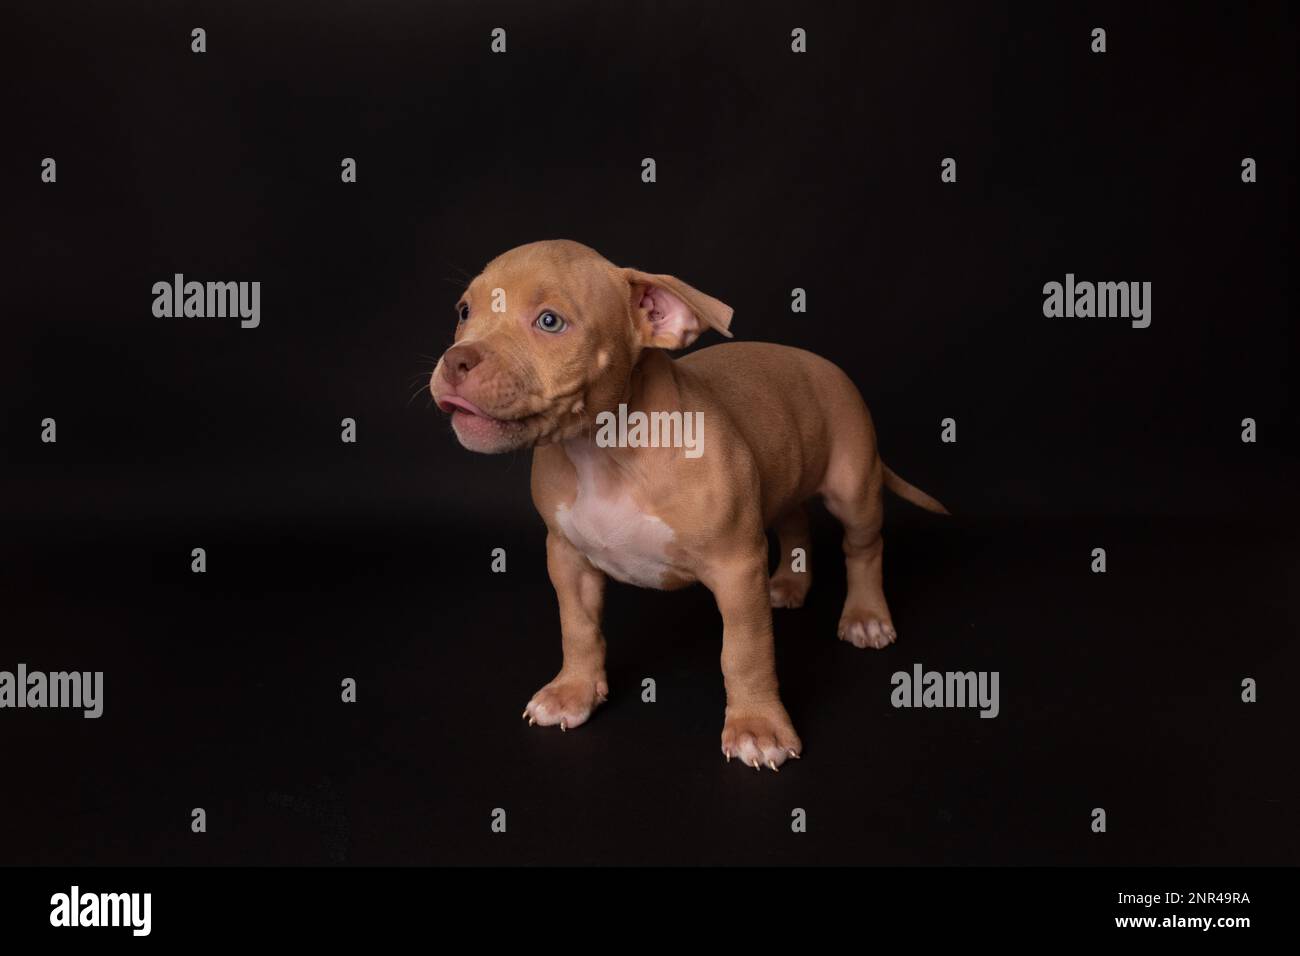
(457, 362)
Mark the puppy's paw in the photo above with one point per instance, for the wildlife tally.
(760, 736)
(788, 590)
(866, 630)
(566, 702)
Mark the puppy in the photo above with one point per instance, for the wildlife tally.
(551, 339)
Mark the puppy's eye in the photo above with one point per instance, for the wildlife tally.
(550, 322)
(462, 313)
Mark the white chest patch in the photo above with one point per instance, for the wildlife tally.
(612, 531)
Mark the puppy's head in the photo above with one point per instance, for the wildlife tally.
(547, 337)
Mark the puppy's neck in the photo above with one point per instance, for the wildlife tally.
(651, 387)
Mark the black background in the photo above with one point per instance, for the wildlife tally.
(775, 170)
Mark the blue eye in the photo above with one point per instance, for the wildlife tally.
(550, 322)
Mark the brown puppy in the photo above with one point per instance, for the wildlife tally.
(551, 340)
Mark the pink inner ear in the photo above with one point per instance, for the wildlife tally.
(670, 316)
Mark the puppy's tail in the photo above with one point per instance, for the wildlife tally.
(911, 493)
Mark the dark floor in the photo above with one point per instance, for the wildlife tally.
(1119, 691)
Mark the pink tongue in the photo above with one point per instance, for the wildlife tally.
(455, 402)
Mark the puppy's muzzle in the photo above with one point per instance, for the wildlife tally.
(458, 361)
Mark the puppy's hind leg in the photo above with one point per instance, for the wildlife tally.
(793, 576)
(853, 493)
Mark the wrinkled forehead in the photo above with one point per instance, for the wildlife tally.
(536, 276)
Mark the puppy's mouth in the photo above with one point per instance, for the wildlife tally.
(454, 403)
(462, 409)
(480, 431)
(512, 427)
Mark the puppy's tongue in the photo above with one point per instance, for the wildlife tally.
(454, 403)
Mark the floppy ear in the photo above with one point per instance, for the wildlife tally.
(669, 314)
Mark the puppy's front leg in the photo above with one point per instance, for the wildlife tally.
(757, 728)
(580, 686)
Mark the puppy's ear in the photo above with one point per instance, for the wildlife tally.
(669, 314)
